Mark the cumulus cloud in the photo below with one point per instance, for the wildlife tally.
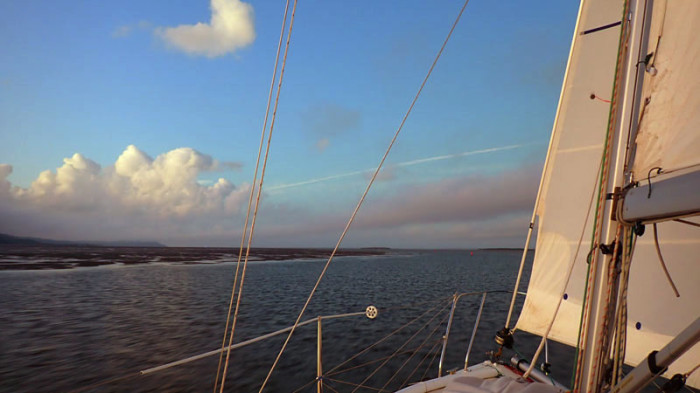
(138, 195)
(230, 28)
(141, 197)
(5, 171)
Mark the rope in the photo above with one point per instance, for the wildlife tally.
(399, 349)
(328, 386)
(621, 316)
(368, 363)
(429, 365)
(604, 337)
(364, 195)
(357, 385)
(692, 371)
(663, 264)
(695, 224)
(596, 97)
(250, 198)
(257, 201)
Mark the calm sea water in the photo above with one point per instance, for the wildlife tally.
(63, 330)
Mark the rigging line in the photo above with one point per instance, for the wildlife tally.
(432, 360)
(569, 273)
(364, 195)
(401, 347)
(692, 371)
(413, 305)
(695, 224)
(252, 191)
(663, 263)
(257, 201)
(425, 357)
(604, 338)
(385, 338)
(600, 203)
(621, 330)
(299, 389)
(356, 385)
(425, 341)
(368, 363)
(328, 386)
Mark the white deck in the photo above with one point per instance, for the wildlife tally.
(486, 377)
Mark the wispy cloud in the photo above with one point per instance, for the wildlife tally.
(231, 28)
(126, 30)
(329, 120)
(475, 210)
(400, 164)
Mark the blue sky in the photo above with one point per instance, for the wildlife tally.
(94, 78)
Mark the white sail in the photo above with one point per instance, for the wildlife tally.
(668, 137)
(655, 314)
(570, 177)
(669, 132)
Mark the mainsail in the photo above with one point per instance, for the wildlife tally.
(669, 132)
(668, 137)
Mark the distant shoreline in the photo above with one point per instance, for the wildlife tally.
(11, 240)
(63, 257)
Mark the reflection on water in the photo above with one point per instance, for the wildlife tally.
(63, 330)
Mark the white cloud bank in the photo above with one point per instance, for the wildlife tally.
(327, 121)
(136, 197)
(162, 199)
(231, 28)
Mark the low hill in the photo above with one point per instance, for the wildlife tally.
(6, 239)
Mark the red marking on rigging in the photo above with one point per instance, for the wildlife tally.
(595, 97)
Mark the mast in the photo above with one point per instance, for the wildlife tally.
(603, 297)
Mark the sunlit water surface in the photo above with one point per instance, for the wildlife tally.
(64, 330)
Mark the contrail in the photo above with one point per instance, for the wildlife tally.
(400, 164)
(464, 154)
